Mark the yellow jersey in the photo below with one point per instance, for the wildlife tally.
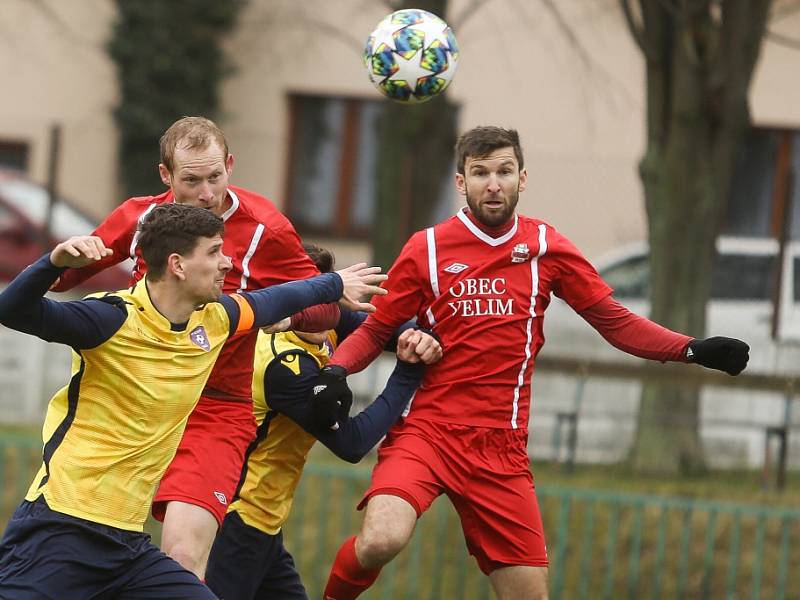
(277, 456)
(103, 457)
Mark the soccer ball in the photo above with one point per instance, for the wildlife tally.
(411, 56)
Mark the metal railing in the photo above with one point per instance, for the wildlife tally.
(601, 544)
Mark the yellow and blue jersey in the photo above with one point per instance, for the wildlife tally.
(112, 431)
(285, 370)
(276, 459)
(110, 434)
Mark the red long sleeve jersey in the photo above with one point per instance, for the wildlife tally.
(485, 297)
(262, 244)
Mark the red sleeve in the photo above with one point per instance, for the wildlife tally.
(402, 303)
(577, 281)
(319, 317)
(363, 345)
(117, 233)
(406, 278)
(634, 334)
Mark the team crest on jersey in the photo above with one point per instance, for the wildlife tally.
(199, 338)
(520, 253)
(456, 268)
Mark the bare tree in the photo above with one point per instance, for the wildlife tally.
(700, 56)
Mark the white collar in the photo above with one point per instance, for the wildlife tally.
(234, 205)
(485, 237)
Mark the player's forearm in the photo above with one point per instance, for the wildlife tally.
(277, 302)
(363, 346)
(80, 324)
(359, 435)
(634, 334)
(21, 302)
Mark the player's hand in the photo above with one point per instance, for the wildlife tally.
(721, 353)
(79, 251)
(416, 345)
(330, 398)
(361, 281)
(278, 327)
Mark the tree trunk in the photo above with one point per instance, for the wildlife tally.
(699, 67)
(415, 157)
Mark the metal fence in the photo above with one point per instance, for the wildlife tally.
(601, 544)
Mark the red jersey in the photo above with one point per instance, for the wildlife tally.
(262, 244)
(485, 297)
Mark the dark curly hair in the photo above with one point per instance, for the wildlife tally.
(174, 228)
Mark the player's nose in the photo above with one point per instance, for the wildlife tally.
(206, 193)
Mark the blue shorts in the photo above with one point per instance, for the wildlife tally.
(45, 554)
(248, 564)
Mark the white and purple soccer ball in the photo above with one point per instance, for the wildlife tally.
(411, 56)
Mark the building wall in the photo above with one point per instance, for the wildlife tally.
(55, 71)
(579, 108)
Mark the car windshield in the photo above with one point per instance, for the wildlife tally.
(736, 276)
(31, 200)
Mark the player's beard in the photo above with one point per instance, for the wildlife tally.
(494, 218)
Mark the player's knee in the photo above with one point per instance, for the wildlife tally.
(190, 557)
(189, 553)
(376, 548)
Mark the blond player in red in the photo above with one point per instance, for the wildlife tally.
(482, 281)
(265, 250)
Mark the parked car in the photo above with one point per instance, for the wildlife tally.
(741, 305)
(23, 235)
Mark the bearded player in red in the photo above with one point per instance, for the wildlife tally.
(482, 281)
(265, 250)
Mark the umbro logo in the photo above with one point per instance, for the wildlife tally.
(221, 497)
(456, 268)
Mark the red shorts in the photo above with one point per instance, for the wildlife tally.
(485, 473)
(208, 463)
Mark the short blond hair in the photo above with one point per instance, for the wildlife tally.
(197, 132)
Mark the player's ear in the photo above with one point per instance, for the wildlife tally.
(175, 265)
(166, 177)
(523, 179)
(229, 164)
(461, 184)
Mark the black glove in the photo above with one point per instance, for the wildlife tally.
(721, 353)
(330, 398)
